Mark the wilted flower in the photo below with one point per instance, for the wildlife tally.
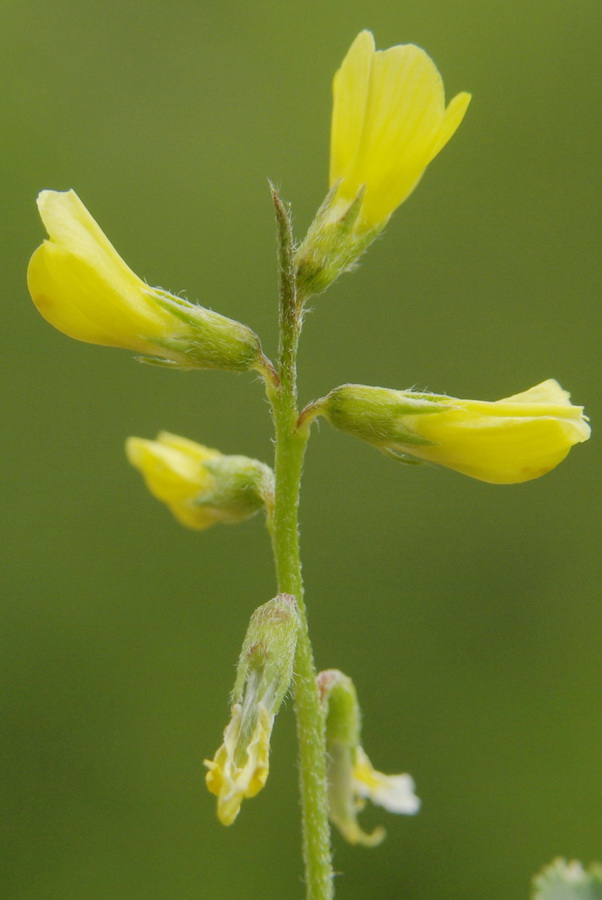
(351, 777)
(82, 286)
(503, 442)
(199, 485)
(240, 767)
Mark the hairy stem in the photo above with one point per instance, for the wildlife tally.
(290, 450)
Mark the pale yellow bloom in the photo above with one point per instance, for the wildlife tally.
(82, 286)
(240, 769)
(351, 777)
(389, 121)
(507, 441)
(200, 486)
(352, 780)
(395, 793)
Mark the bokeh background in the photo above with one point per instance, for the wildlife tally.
(469, 615)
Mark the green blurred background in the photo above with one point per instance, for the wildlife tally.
(468, 615)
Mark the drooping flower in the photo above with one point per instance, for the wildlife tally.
(240, 766)
(201, 486)
(351, 777)
(81, 285)
(389, 120)
(507, 441)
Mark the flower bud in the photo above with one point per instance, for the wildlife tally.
(81, 285)
(389, 121)
(240, 767)
(201, 486)
(503, 442)
(351, 777)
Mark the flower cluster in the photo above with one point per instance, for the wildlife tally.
(389, 121)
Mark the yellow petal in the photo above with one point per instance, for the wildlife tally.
(500, 450)
(343, 805)
(238, 773)
(353, 834)
(452, 120)
(389, 121)
(548, 392)
(395, 793)
(186, 447)
(69, 223)
(173, 470)
(350, 94)
(82, 286)
(403, 118)
(507, 441)
(170, 474)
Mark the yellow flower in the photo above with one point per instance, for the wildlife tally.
(503, 442)
(351, 777)
(201, 486)
(240, 767)
(82, 286)
(389, 121)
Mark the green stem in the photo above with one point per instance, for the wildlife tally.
(290, 450)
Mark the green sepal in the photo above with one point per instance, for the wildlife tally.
(241, 486)
(343, 716)
(268, 652)
(215, 341)
(378, 415)
(331, 245)
(265, 666)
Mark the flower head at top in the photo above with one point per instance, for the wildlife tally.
(389, 120)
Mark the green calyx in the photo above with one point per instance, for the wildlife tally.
(339, 699)
(332, 245)
(265, 667)
(378, 415)
(212, 341)
(240, 487)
